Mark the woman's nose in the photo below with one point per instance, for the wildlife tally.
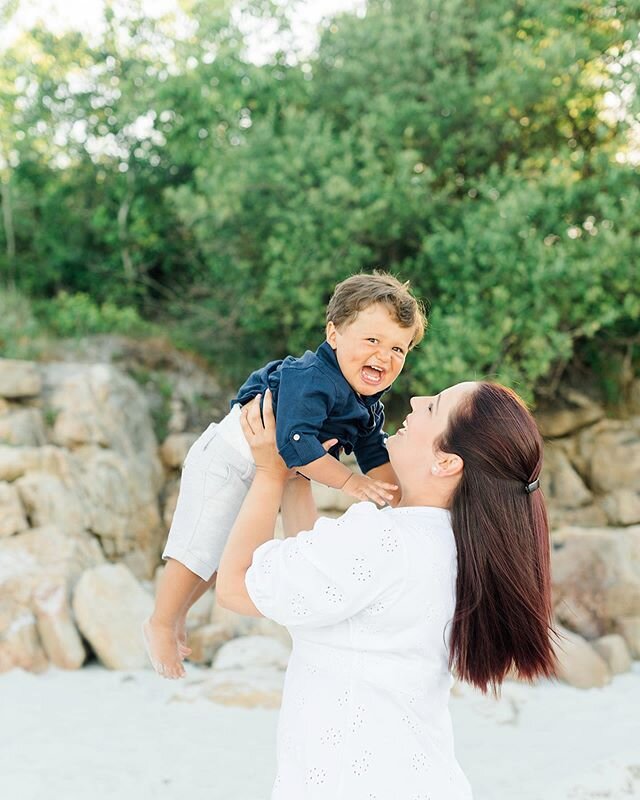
(413, 402)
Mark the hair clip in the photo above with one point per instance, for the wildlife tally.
(531, 487)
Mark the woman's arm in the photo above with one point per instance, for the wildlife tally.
(256, 521)
(299, 512)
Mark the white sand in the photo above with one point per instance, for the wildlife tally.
(99, 735)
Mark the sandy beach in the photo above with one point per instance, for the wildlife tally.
(100, 735)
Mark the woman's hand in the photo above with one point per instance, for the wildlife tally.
(260, 433)
(261, 436)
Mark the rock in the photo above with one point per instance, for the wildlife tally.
(238, 625)
(629, 628)
(98, 405)
(121, 508)
(205, 642)
(12, 516)
(24, 428)
(58, 634)
(178, 415)
(578, 412)
(19, 379)
(609, 453)
(29, 561)
(622, 507)
(562, 485)
(44, 555)
(252, 651)
(200, 612)
(93, 489)
(175, 448)
(592, 516)
(17, 461)
(19, 642)
(247, 688)
(169, 501)
(50, 500)
(613, 649)
(110, 607)
(579, 664)
(596, 577)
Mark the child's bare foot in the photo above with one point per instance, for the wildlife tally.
(181, 635)
(163, 649)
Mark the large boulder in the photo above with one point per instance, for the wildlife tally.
(629, 628)
(578, 663)
(20, 645)
(19, 379)
(206, 641)
(252, 651)
(12, 516)
(244, 688)
(608, 455)
(29, 562)
(615, 652)
(110, 606)
(573, 412)
(98, 405)
(59, 636)
(562, 485)
(596, 577)
(23, 427)
(175, 447)
(622, 506)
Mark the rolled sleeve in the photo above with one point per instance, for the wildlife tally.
(305, 399)
(371, 450)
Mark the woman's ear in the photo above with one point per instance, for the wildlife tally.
(449, 465)
(331, 333)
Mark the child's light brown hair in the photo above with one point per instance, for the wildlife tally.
(361, 291)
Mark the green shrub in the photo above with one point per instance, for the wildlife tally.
(72, 315)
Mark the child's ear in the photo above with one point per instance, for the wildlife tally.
(331, 333)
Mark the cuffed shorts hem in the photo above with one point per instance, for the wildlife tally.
(201, 568)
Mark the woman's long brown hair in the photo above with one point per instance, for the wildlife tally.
(503, 591)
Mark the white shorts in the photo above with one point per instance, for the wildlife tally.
(216, 477)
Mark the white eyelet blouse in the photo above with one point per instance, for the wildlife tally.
(367, 599)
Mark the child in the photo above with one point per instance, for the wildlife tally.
(329, 397)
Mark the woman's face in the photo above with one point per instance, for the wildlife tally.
(412, 448)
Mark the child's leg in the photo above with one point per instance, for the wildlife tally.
(177, 585)
(181, 630)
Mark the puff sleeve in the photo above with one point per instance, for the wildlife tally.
(329, 574)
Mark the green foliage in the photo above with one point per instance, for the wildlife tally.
(73, 315)
(483, 150)
(21, 334)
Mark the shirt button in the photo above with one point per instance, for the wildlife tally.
(296, 437)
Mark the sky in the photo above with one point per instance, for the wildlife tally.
(85, 15)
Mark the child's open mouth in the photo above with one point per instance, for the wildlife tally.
(372, 375)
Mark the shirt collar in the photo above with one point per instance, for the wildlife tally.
(327, 355)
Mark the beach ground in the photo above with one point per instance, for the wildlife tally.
(100, 735)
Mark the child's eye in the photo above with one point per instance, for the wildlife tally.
(372, 339)
(399, 350)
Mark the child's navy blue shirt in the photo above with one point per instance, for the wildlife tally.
(313, 402)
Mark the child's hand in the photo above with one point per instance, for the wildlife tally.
(364, 488)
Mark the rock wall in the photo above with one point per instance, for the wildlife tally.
(87, 496)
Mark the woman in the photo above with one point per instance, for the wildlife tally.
(383, 604)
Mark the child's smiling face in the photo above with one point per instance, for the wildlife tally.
(371, 349)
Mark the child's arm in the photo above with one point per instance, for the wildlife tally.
(387, 474)
(331, 472)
